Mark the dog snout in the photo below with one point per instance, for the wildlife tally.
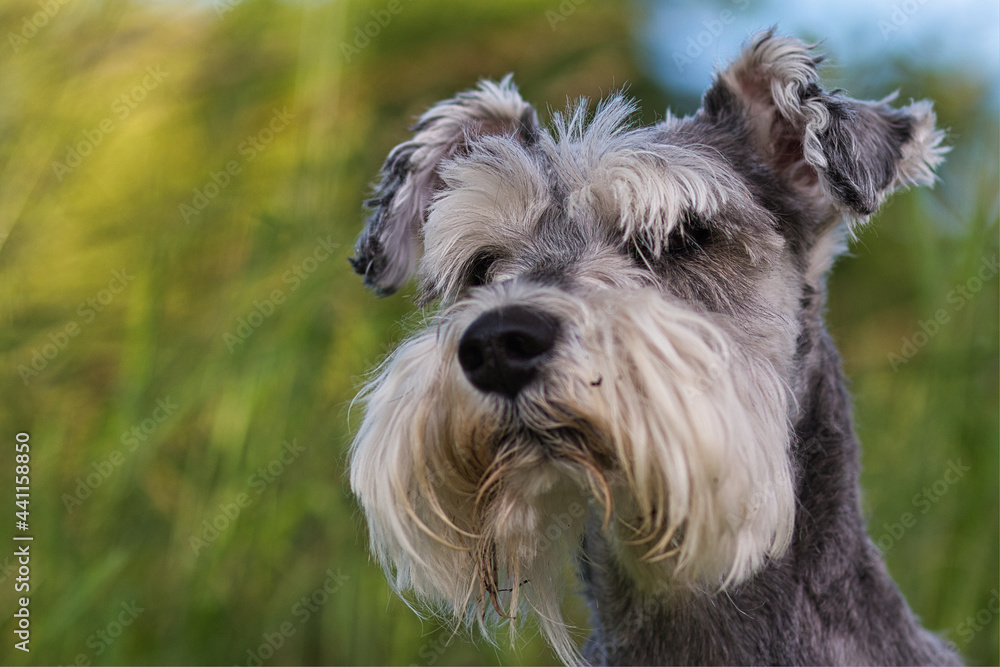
(503, 349)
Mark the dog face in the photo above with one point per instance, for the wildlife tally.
(619, 311)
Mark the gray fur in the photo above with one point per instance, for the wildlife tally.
(386, 252)
(650, 300)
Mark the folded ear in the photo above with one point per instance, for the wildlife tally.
(822, 144)
(386, 252)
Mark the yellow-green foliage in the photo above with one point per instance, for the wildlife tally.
(181, 335)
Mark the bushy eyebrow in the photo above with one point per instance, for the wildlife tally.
(645, 182)
(492, 200)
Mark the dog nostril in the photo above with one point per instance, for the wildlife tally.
(503, 349)
(470, 356)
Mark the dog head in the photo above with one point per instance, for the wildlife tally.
(617, 331)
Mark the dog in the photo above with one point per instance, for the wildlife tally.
(627, 372)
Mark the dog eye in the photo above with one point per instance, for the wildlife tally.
(692, 236)
(480, 267)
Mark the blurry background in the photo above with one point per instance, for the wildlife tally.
(181, 336)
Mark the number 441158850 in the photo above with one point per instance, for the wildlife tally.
(22, 478)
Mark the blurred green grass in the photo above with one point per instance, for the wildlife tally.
(291, 570)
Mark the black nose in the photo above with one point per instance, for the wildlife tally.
(503, 349)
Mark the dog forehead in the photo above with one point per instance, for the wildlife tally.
(583, 191)
(625, 181)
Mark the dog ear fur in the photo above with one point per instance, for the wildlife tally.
(386, 253)
(822, 144)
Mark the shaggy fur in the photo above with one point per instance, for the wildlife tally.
(628, 370)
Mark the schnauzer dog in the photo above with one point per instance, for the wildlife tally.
(628, 372)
